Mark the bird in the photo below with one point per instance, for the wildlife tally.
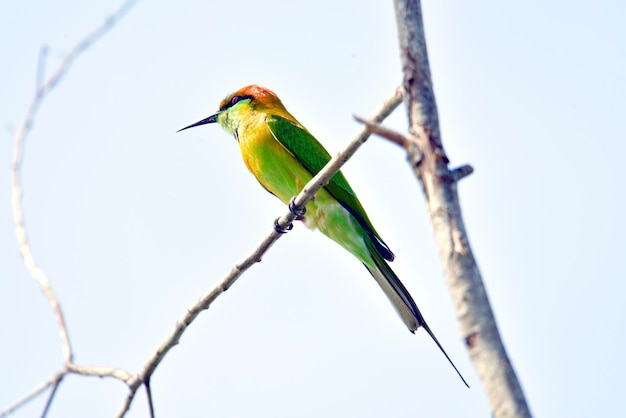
(283, 156)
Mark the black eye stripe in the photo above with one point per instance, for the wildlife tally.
(234, 101)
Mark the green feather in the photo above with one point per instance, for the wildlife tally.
(313, 157)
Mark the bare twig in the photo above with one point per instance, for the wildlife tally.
(52, 380)
(408, 142)
(461, 172)
(43, 88)
(20, 139)
(397, 138)
(149, 396)
(55, 387)
(320, 180)
(96, 371)
(476, 320)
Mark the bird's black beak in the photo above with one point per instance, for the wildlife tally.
(210, 119)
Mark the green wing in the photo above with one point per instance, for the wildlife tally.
(313, 157)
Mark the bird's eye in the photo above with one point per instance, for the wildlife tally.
(233, 101)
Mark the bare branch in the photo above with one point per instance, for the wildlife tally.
(20, 139)
(397, 138)
(149, 396)
(461, 172)
(312, 187)
(55, 387)
(43, 88)
(408, 142)
(118, 374)
(476, 320)
(51, 381)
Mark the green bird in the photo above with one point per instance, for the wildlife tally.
(284, 156)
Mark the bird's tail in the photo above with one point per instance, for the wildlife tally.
(401, 298)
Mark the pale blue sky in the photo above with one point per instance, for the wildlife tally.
(133, 222)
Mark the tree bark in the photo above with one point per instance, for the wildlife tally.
(428, 159)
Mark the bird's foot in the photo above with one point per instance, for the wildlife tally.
(280, 229)
(299, 211)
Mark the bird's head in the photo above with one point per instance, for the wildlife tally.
(244, 103)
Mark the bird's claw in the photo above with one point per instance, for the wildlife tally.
(280, 229)
(299, 211)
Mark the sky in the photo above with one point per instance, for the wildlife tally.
(134, 222)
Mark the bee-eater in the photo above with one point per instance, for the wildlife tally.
(284, 156)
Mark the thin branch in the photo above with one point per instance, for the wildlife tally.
(461, 172)
(408, 141)
(113, 372)
(53, 392)
(312, 187)
(33, 394)
(476, 320)
(149, 396)
(20, 140)
(397, 138)
(43, 88)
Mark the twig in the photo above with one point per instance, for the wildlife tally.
(476, 320)
(461, 172)
(320, 180)
(20, 139)
(96, 371)
(43, 88)
(408, 142)
(55, 387)
(149, 396)
(397, 138)
(33, 394)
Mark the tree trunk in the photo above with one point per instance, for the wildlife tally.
(428, 159)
